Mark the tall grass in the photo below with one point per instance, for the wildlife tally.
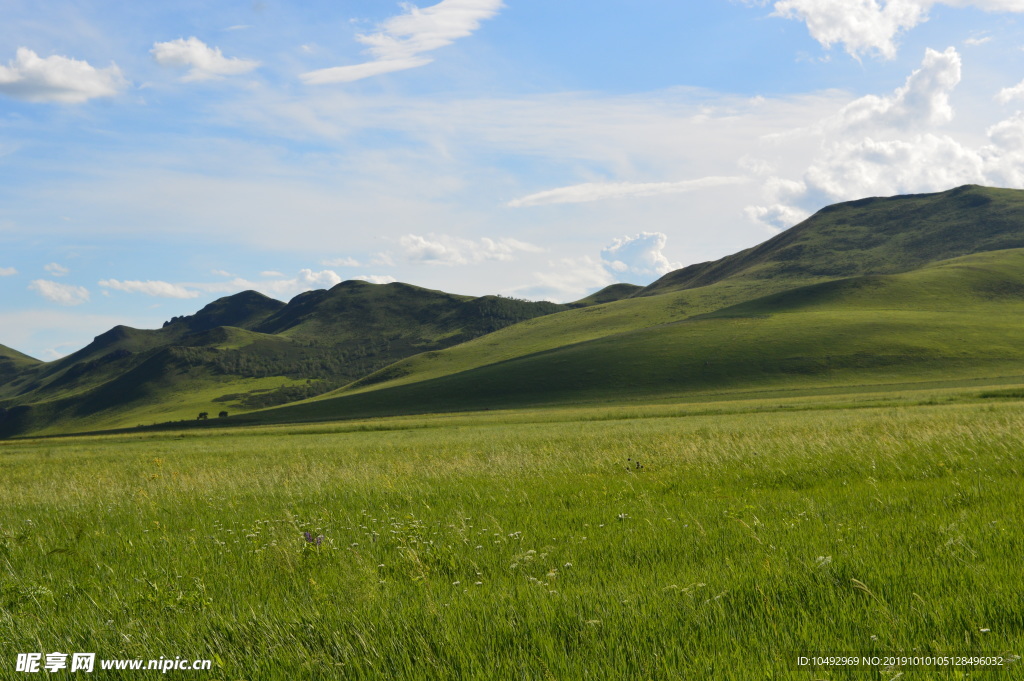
(715, 546)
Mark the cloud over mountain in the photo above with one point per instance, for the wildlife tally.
(441, 249)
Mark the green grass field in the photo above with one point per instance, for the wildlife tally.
(703, 540)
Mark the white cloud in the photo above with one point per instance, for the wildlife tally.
(640, 255)
(978, 40)
(204, 62)
(272, 273)
(160, 289)
(64, 294)
(56, 270)
(597, 191)
(400, 40)
(777, 216)
(923, 163)
(639, 259)
(1009, 134)
(57, 79)
(903, 153)
(1008, 94)
(568, 279)
(376, 278)
(872, 26)
(7, 271)
(279, 285)
(348, 74)
(439, 249)
(922, 101)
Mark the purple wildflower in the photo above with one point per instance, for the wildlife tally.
(317, 540)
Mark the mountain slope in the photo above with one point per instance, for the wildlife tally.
(245, 310)
(957, 318)
(871, 236)
(277, 353)
(14, 363)
(401, 347)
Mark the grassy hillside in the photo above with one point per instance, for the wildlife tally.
(954, 319)
(783, 312)
(609, 294)
(872, 236)
(404, 318)
(277, 353)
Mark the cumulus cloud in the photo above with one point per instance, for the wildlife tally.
(57, 79)
(880, 146)
(159, 289)
(640, 255)
(597, 191)
(922, 163)
(1009, 94)
(376, 278)
(64, 294)
(922, 101)
(439, 249)
(872, 26)
(7, 271)
(204, 62)
(638, 259)
(568, 279)
(56, 270)
(399, 42)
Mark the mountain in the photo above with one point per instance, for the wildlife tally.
(243, 310)
(871, 236)
(879, 290)
(951, 320)
(13, 363)
(609, 294)
(243, 352)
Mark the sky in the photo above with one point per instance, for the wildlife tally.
(155, 156)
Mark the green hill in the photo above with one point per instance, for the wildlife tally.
(954, 319)
(868, 290)
(244, 352)
(609, 294)
(14, 363)
(243, 310)
(871, 236)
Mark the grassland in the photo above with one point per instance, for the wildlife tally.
(657, 541)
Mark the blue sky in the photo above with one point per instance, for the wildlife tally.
(156, 156)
